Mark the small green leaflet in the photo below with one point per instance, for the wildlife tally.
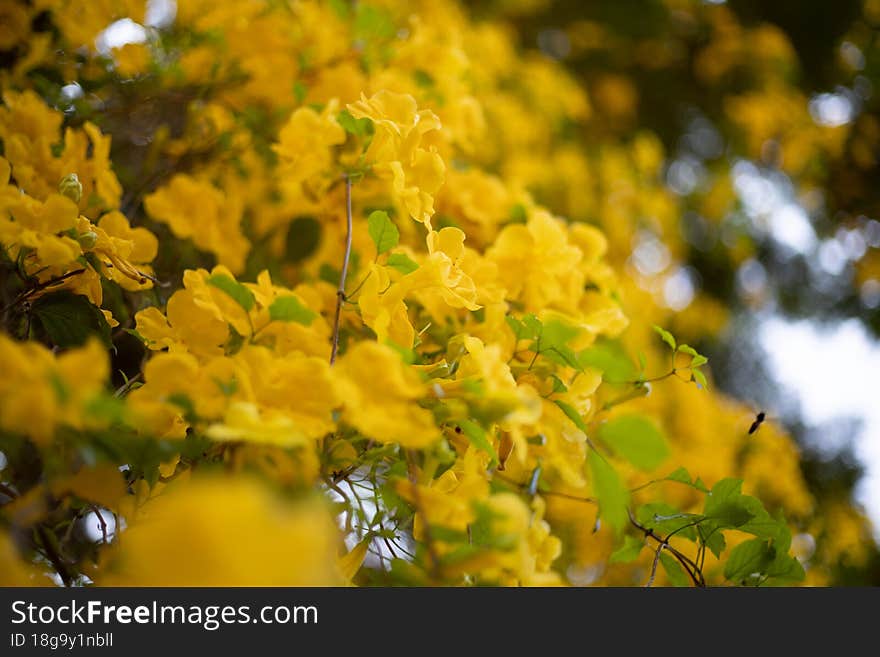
(402, 263)
(478, 438)
(289, 309)
(637, 439)
(356, 127)
(242, 296)
(666, 336)
(682, 476)
(700, 378)
(383, 231)
(697, 359)
(527, 328)
(609, 490)
(687, 349)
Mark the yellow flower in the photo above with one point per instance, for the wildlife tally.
(244, 422)
(41, 391)
(440, 282)
(197, 210)
(187, 326)
(396, 150)
(235, 533)
(15, 25)
(385, 409)
(538, 265)
(127, 249)
(383, 309)
(306, 141)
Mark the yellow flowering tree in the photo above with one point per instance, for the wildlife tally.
(319, 290)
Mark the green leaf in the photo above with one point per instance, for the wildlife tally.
(700, 378)
(665, 520)
(518, 214)
(752, 556)
(716, 543)
(299, 91)
(687, 349)
(70, 319)
(515, 325)
(572, 414)
(609, 490)
(240, 294)
(402, 263)
(610, 358)
(289, 309)
(666, 336)
(478, 438)
(676, 575)
(383, 231)
(357, 127)
(552, 344)
(533, 326)
(682, 476)
(629, 551)
(637, 439)
(699, 360)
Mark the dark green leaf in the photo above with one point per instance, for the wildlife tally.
(70, 319)
(637, 439)
(752, 556)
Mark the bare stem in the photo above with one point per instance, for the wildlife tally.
(340, 292)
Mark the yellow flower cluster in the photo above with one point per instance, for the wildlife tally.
(464, 254)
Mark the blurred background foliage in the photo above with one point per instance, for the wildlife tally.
(769, 121)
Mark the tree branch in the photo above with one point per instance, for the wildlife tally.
(340, 292)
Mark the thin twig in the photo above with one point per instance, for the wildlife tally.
(101, 522)
(654, 566)
(8, 492)
(340, 292)
(689, 566)
(54, 557)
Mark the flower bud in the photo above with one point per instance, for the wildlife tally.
(88, 239)
(71, 187)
